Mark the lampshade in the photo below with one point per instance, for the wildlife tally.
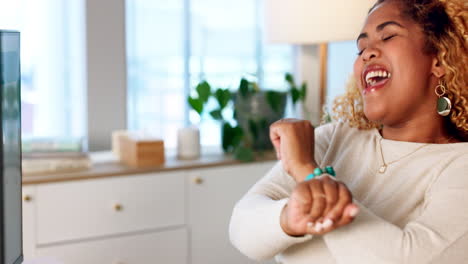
(314, 21)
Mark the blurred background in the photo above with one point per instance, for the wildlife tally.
(105, 86)
(155, 50)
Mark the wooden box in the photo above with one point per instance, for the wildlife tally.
(136, 151)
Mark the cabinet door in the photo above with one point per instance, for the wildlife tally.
(167, 247)
(29, 234)
(212, 196)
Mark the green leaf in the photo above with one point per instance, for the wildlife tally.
(274, 100)
(244, 154)
(216, 114)
(204, 91)
(303, 91)
(237, 136)
(196, 104)
(244, 87)
(295, 95)
(231, 137)
(226, 137)
(289, 78)
(222, 96)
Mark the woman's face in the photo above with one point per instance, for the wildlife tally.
(392, 71)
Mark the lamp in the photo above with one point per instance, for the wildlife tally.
(308, 22)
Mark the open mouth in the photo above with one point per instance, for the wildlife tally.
(375, 77)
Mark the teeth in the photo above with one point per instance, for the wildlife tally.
(372, 74)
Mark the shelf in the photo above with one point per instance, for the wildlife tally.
(106, 164)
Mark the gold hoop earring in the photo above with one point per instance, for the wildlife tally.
(444, 105)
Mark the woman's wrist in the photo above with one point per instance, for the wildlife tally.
(303, 170)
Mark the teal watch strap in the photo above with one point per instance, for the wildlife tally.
(318, 171)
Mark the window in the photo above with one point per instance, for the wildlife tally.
(174, 44)
(155, 63)
(341, 57)
(52, 57)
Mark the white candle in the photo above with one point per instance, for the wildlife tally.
(188, 143)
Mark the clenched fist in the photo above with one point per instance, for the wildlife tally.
(317, 207)
(293, 140)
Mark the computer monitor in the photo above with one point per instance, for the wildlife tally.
(11, 249)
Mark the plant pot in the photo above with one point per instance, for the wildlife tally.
(256, 112)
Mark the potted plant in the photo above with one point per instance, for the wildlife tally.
(246, 131)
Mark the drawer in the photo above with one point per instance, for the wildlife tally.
(163, 247)
(93, 208)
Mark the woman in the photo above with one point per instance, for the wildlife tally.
(400, 154)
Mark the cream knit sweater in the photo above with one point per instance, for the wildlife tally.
(415, 212)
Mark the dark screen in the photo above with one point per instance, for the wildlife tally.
(11, 236)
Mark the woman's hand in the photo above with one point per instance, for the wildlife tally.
(293, 140)
(317, 207)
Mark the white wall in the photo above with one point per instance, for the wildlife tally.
(106, 71)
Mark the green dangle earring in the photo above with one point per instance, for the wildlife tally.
(444, 105)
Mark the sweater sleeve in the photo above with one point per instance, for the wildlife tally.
(323, 136)
(370, 239)
(255, 223)
(255, 228)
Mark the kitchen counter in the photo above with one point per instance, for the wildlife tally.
(106, 164)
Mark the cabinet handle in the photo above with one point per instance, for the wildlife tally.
(118, 207)
(27, 198)
(197, 180)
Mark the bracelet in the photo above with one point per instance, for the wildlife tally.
(318, 171)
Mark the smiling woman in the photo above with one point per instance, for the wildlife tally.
(444, 40)
(400, 156)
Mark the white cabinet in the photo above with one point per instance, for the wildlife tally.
(212, 196)
(29, 220)
(94, 208)
(167, 247)
(179, 217)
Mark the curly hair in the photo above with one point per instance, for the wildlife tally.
(444, 24)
